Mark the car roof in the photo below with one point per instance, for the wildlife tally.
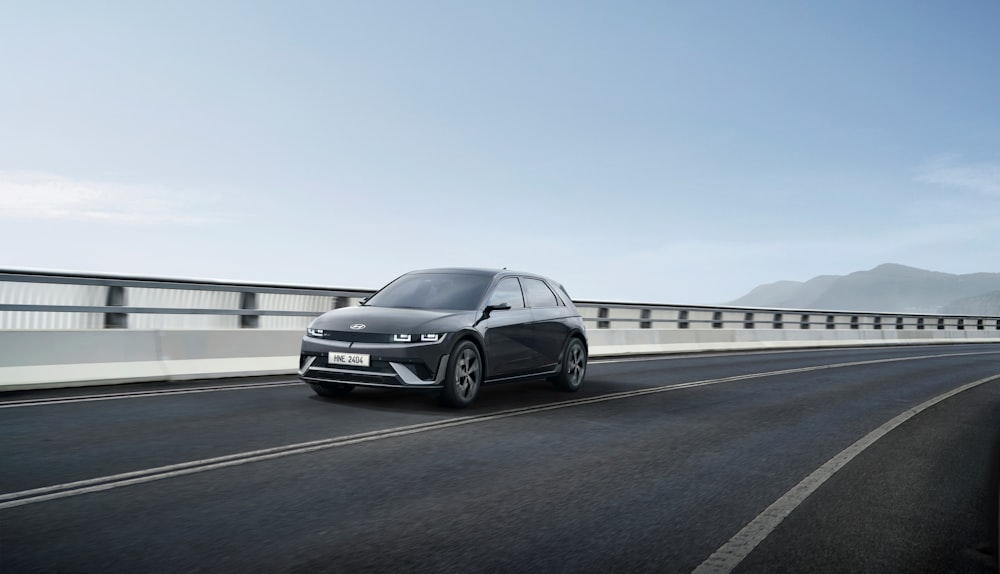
(473, 271)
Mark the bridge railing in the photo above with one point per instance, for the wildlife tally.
(58, 300)
(66, 329)
(63, 300)
(605, 315)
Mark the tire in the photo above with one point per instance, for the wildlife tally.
(573, 368)
(464, 375)
(331, 389)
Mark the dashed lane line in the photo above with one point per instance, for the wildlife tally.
(15, 499)
(141, 394)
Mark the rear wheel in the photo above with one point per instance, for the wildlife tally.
(464, 374)
(574, 366)
(331, 389)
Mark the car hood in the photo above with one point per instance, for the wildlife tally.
(389, 320)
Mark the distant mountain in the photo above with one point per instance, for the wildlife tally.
(887, 288)
(988, 304)
(789, 294)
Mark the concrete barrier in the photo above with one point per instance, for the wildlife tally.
(49, 359)
(606, 342)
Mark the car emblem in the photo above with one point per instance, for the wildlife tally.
(358, 326)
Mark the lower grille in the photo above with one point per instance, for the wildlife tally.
(352, 377)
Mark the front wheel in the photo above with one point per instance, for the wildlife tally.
(464, 374)
(573, 368)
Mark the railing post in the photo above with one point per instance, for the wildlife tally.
(602, 313)
(248, 300)
(116, 298)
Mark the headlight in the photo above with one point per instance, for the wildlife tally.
(318, 333)
(423, 338)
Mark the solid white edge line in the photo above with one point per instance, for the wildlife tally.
(21, 498)
(142, 394)
(734, 551)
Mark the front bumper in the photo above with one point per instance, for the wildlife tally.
(414, 365)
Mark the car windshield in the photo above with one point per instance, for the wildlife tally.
(457, 291)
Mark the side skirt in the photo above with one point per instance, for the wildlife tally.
(525, 377)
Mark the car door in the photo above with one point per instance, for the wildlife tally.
(548, 314)
(509, 332)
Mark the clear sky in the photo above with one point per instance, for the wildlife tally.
(654, 151)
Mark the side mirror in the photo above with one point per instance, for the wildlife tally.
(491, 308)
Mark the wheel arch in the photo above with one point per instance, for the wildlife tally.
(575, 334)
(580, 334)
(477, 339)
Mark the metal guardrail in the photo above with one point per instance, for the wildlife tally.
(65, 300)
(117, 298)
(657, 316)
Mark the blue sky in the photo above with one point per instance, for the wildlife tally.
(673, 152)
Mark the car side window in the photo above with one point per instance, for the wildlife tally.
(538, 293)
(508, 290)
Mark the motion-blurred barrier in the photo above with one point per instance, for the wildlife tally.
(65, 329)
(46, 300)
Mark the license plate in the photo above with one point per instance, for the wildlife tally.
(350, 359)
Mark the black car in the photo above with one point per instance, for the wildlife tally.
(452, 330)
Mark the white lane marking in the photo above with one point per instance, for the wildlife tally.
(142, 394)
(13, 499)
(251, 386)
(730, 554)
(610, 360)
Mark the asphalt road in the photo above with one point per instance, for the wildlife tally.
(809, 461)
